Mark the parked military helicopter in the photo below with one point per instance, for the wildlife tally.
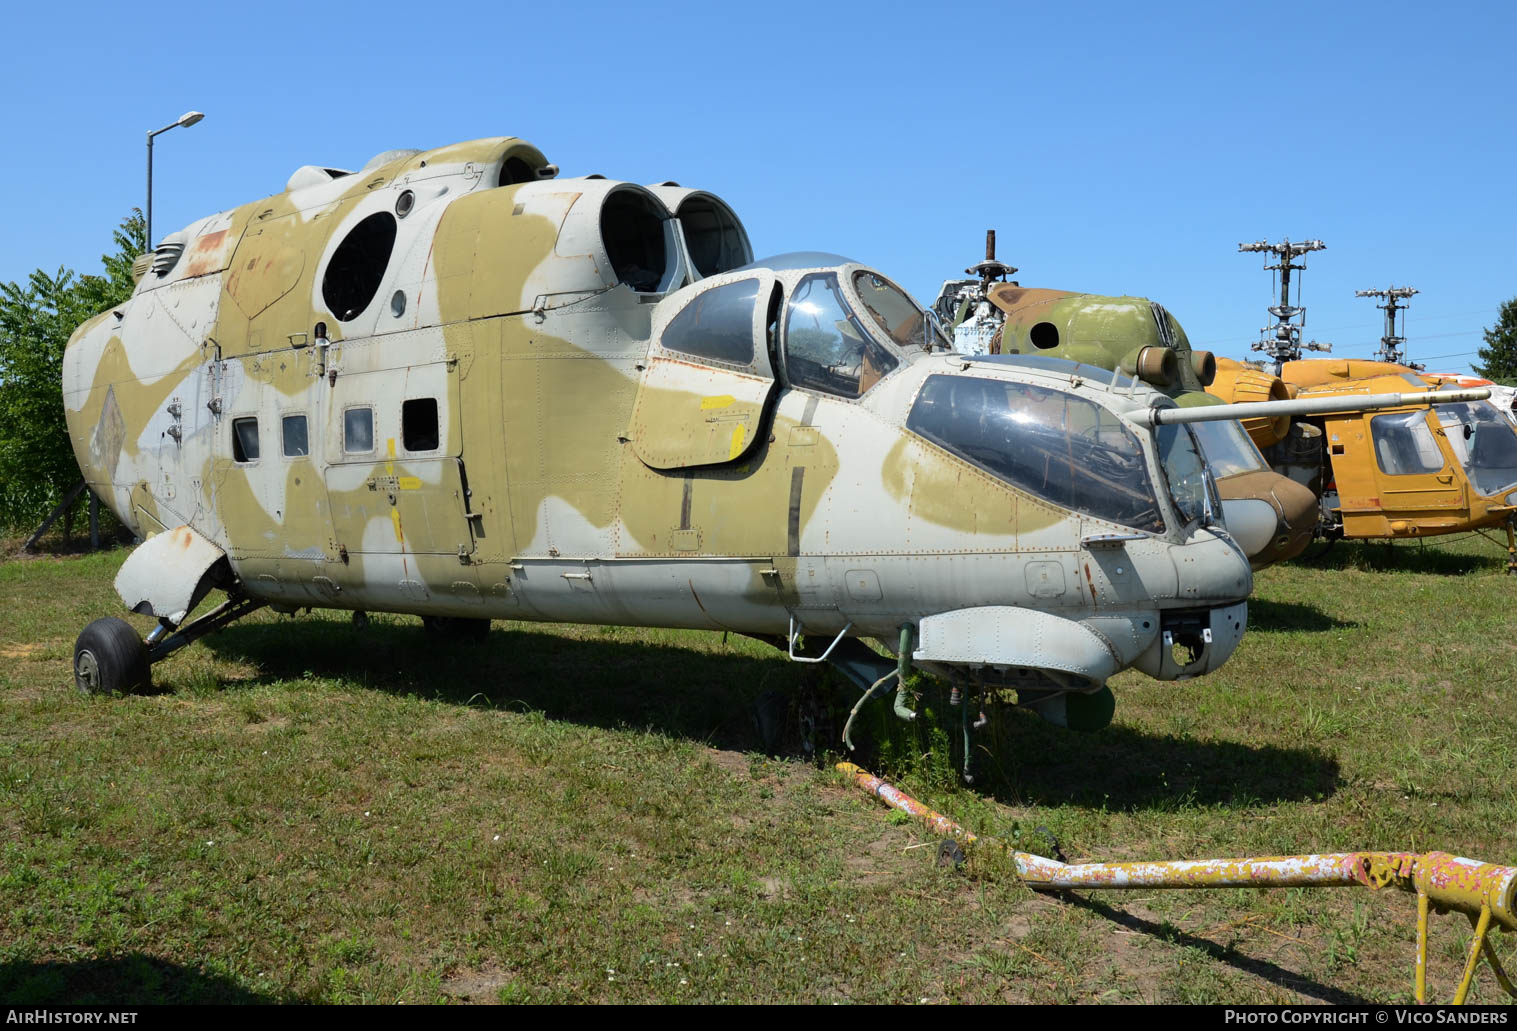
(453, 385)
(1270, 516)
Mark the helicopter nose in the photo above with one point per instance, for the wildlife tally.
(1299, 516)
(1211, 568)
(1202, 627)
(1272, 517)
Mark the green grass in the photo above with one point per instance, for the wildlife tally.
(307, 811)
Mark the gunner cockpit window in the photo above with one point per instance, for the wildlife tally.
(826, 346)
(1055, 446)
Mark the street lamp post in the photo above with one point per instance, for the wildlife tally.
(187, 119)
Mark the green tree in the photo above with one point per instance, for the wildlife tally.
(37, 464)
(1499, 355)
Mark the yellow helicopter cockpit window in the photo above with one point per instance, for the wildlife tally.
(1051, 444)
(827, 348)
(1404, 444)
(1483, 442)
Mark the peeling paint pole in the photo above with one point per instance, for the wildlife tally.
(187, 119)
(1484, 892)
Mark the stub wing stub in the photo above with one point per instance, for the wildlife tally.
(168, 574)
(1009, 637)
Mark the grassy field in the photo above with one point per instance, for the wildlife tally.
(304, 810)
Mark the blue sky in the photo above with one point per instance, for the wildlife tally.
(1115, 148)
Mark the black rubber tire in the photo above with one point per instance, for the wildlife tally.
(110, 659)
(459, 628)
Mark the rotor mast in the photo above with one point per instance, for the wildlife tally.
(1392, 344)
(1282, 340)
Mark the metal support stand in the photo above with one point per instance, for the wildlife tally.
(63, 506)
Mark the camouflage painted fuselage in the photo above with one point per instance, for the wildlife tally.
(489, 426)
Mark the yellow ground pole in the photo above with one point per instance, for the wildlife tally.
(1485, 892)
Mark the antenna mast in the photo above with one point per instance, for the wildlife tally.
(1282, 341)
(1391, 345)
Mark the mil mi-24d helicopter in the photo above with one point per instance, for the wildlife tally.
(453, 385)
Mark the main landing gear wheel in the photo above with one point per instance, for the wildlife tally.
(110, 659)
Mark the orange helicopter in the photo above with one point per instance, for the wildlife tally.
(1416, 471)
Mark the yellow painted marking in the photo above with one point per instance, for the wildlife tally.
(390, 471)
(409, 482)
(719, 401)
(737, 441)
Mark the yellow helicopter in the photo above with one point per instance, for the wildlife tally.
(1439, 466)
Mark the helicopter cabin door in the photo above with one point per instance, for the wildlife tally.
(1414, 475)
(396, 483)
(710, 376)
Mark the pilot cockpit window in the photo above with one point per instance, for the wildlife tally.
(896, 314)
(1404, 446)
(1055, 446)
(293, 433)
(717, 325)
(358, 431)
(826, 346)
(245, 440)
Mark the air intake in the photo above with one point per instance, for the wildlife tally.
(167, 256)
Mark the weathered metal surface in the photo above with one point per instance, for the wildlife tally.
(164, 575)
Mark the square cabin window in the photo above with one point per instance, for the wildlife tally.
(418, 424)
(245, 440)
(358, 431)
(293, 429)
